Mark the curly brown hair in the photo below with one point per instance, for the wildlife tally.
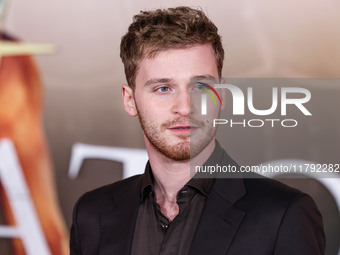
(174, 28)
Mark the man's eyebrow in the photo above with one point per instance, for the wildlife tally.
(154, 81)
(204, 77)
(168, 80)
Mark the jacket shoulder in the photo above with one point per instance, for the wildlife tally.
(102, 197)
(263, 190)
(283, 219)
(266, 195)
(288, 214)
(90, 207)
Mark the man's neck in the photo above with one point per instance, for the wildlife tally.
(170, 175)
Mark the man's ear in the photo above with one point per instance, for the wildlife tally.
(129, 100)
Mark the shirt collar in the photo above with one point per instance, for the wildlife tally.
(201, 184)
(147, 187)
(204, 184)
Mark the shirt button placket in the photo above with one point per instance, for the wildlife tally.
(164, 226)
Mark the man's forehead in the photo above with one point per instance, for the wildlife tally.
(151, 52)
(197, 54)
(178, 64)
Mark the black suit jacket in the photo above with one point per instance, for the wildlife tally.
(241, 216)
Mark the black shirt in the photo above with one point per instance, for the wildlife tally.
(154, 234)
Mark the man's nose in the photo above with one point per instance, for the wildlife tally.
(181, 104)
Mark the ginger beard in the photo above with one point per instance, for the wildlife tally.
(187, 146)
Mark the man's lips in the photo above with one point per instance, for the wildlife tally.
(182, 129)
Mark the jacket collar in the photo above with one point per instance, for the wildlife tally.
(117, 226)
(220, 218)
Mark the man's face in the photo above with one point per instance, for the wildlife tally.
(162, 98)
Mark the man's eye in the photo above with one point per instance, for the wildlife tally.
(201, 86)
(163, 89)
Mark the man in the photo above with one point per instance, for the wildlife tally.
(166, 53)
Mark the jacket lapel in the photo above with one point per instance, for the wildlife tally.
(220, 218)
(117, 225)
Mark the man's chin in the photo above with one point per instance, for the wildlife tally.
(179, 151)
(181, 147)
